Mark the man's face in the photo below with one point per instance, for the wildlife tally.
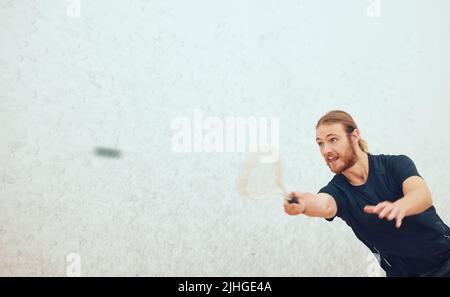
(335, 147)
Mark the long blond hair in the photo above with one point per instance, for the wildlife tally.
(341, 117)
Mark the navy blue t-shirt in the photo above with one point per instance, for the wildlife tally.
(421, 244)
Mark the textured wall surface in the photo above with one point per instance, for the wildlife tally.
(116, 73)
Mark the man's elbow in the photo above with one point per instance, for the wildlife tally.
(429, 198)
(426, 197)
(330, 208)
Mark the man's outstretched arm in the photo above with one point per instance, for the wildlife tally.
(417, 198)
(313, 205)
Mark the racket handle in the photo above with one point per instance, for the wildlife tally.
(293, 199)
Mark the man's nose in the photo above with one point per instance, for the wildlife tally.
(326, 150)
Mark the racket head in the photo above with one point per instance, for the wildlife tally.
(262, 177)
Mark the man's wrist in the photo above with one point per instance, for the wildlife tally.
(404, 205)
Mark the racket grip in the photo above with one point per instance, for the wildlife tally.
(293, 199)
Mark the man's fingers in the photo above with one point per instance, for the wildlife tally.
(398, 220)
(293, 208)
(296, 206)
(385, 211)
(393, 214)
(380, 206)
(369, 208)
(288, 210)
(376, 208)
(287, 205)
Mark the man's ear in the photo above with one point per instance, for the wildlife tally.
(355, 136)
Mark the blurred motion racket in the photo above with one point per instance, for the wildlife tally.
(262, 178)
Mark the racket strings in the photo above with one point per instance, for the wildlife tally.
(260, 180)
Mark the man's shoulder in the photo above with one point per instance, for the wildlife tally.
(387, 158)
(380, 156)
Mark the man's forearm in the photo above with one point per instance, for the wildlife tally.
(416, 201)
(315, 206)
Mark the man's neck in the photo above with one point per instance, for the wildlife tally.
(357, 174)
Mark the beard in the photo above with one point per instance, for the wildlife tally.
(348, 159)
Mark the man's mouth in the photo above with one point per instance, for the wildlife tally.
(331, 160)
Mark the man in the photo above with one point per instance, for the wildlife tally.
(382, 198)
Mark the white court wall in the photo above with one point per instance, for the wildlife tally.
(120, 72)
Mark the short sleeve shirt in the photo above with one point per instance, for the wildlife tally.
(421, 244)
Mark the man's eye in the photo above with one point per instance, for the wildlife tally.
(333, 140)
(320, 144)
